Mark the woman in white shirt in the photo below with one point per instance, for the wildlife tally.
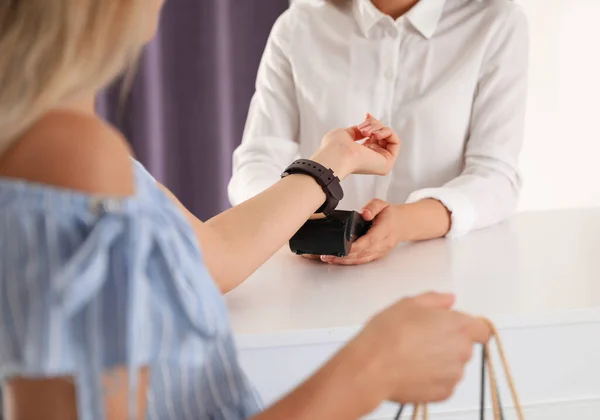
(450, 76)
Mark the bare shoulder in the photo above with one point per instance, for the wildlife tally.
(74, 152)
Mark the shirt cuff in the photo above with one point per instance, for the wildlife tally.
(458, 204)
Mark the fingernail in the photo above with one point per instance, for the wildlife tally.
(326, 259)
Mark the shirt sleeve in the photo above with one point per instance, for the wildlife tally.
(488, 188)
(86, 287)
(269, 142)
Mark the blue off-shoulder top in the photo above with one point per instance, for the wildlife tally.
(88, 284)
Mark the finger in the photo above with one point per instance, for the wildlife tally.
(382, 133)
(435, 300)
(371, 127)
(362, 251)
(367, 130)
(380, 130)
(355, 133)
(373, 208)
(364, 125)
(478, 330)
(362, 259)
(363, 243)
(372, 140)
(391, 149)
(387, 134)
(311, 257)
(360, 246)
(368, 119)
(440, 393)
(369, 141)
(394, 150)
(393, 138)
(387, 139)
(377, 234)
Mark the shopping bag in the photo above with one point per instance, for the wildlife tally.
(486, 365)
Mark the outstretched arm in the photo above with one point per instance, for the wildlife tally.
(235, 243)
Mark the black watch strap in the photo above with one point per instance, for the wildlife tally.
(324, 177)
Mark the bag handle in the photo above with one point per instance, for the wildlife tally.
(507, 373)
(486, 361)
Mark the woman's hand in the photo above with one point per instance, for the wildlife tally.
(419, 347)
(413, 352)
(342, 151)
(392, 224)
(384, 235)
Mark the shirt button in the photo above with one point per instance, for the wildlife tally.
(389, 74)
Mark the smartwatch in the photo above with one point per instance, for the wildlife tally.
(324, 177)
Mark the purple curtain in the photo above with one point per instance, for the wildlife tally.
(186, 111)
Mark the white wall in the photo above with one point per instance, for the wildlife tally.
(561, 156)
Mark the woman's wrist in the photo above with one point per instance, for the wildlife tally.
(352, 382)
(365, 378)
(343, 389)
(422, 220)
(337, 158)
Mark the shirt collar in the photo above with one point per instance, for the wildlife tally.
(424, 16)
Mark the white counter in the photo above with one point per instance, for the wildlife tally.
(536, 277)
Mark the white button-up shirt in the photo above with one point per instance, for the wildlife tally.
(450, 77)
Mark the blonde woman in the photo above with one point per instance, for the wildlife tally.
(108, 308)
(449, 76)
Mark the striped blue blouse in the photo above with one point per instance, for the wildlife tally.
(88, 284)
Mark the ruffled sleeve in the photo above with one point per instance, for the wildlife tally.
(87, 285)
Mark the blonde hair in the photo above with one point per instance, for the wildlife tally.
(53, 50)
